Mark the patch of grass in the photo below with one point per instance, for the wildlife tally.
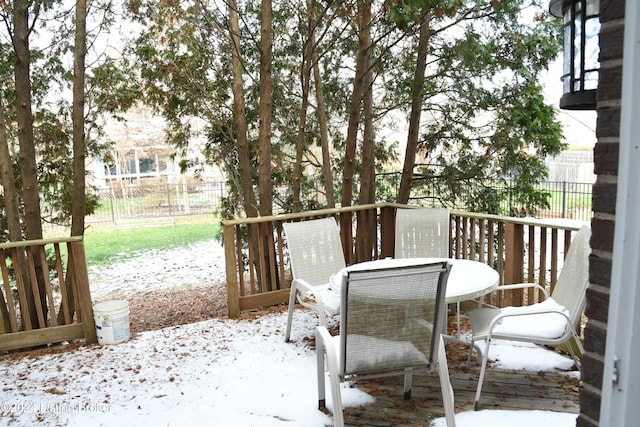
(105, 246)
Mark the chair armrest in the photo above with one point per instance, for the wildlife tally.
(523, 286)
(326, 339)
(531, 312)
(324, 301)
(303, 289)
(302, 286)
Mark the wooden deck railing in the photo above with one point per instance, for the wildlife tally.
(257, 266)
(45, 293)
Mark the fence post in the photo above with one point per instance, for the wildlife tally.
(513, 268)
(111, 200)
(233, 302)
(564, 198)
(84, 294)
(387, 231)
(169, 198)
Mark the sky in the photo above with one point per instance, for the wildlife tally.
(579, 127)
(218, 372)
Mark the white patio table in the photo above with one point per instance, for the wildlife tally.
(468, 279)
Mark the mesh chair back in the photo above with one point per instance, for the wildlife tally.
(570, 288)
(315, 249)
(392, 318)
(422, 232)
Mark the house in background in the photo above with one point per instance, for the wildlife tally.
(141, 152)
(572, 165)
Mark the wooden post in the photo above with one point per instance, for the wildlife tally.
(387, 231)
(233, 302)
(84, 294)
(514, 255)
(346, 234)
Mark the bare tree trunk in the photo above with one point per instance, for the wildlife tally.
(266, 85)
(367, 220)
(7, 180)
(78, 200)
(305, 77)
(322, 121)
(417, 93)
(10, 204)
(244, 159)
(264, 137)
(324, 139)
(364, 16)
(28, 166)
(78, 207)
(367, 175)
(24, 116)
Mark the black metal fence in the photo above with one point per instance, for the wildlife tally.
(124, 203)
(121, 203)
(566, 200)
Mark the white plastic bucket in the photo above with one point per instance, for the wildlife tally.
(112, 321)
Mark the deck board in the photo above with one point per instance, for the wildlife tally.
(503, 389)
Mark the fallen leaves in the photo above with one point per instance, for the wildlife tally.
(55, 391)
(164, 309)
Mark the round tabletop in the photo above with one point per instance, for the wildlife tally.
(468, 279)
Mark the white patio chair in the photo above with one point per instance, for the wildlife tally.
(422, 232)
(390, 324)
(315, 253)
(553, 321)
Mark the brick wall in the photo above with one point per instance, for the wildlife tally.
(604, 204)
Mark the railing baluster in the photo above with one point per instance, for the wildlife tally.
(481, 240)
(554, 259)
(500, 263)
(31, 261)
(18, 257)
(64, 297)
(13, 325)
(531, 263)
(280, 258)
(458, 238)
(239, 283)
(542, 269)
(74, 282)
(472, 234)
(251, 238)
(47, 287)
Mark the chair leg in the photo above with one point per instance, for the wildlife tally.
(471, 346)
(483, 368)
(292, 303)
(408, 383)
(322, 317)
(574, 356)
(323, 339)
(445, 386)
(320, 360)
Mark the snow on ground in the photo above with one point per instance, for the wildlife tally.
(217, 372)
(197, 265)
(234, 372)
(224, 372)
